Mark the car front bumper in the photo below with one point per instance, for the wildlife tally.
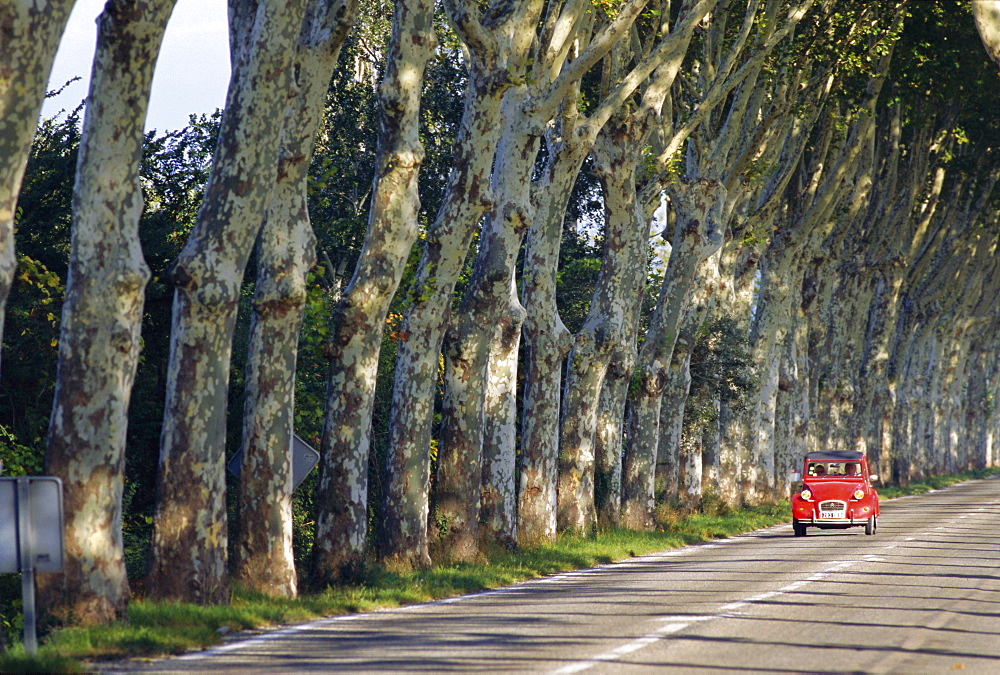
(833, 521)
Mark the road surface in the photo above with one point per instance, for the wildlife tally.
(921, 596)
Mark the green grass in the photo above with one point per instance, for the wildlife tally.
(935, 483)
(158, 629)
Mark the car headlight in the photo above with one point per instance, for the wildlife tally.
(806, 494)
(859, 494)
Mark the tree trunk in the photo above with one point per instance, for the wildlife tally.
(987, 17)
(673, 466)
(667, 468)
(608, 444)
(359, 320)
(99, 340)
(688, 451)
(403, 539)
(700, 210)
(488, 303)
(188, 555)
(603, 333)
(29, 39)
(790, 445)
(498, 503)
(775, 321)
(546, 342)
(286, 251)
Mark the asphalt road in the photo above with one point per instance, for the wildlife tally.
(921, 596)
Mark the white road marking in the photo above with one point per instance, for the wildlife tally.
(678, 623)
(675, 625)
(555, 578)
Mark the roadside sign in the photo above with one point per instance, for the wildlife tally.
(41, 504)
(304, 459)
(31, 537)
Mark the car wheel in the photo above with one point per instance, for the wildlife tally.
(799, 528)
(871, 526)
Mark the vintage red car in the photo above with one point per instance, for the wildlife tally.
(835, 493)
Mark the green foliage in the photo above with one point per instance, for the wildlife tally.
(310, 395)
(310, 377)
(173, 174)
(18, 459)
(579, 250)
(46, 661)
(721, 370)
(846, 39)
(31, 331)
(575, 283)
(940, 56)
(30, 354)
(137, 529)
(943, 77)
(42, 228)
(11, 608)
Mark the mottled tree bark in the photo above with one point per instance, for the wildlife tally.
(987, 17)
(286, 251)
(403, 535)
(490, 293)
(677, 472)
(602, 335)
(498, 503)
(29, 38)
(487, 304)
(793, 412)
(188, 555)
(609, 441)
(546, 341)
(359, 319)
(687, 454)
(701, 208)
(99, 339)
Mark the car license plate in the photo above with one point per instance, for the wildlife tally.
(831, 514)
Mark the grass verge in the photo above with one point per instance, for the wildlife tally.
(935, 483)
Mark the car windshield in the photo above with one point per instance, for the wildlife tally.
(819, 469)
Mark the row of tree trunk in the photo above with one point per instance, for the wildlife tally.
(808, 201)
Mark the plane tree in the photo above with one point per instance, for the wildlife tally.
(99, 340)
(189, 546)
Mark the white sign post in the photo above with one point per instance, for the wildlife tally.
(31, 538)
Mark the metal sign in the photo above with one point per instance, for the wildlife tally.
(39, 506)
(31, 537)
(304, 459)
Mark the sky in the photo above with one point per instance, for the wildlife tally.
(191, 75)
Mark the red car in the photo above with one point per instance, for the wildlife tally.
(836, 493)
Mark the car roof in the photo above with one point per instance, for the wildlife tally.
(835, 456)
